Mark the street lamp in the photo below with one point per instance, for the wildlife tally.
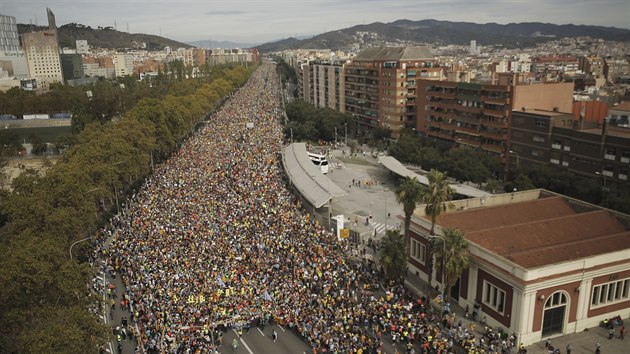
(72, 245)
(335, 135)
(386, 213)
(114, 185)
(345, 126)
(517, 157)
(443, 270)
(604, 188)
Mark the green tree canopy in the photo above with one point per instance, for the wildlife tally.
(392, 255)
(452, 263)
(436, 198)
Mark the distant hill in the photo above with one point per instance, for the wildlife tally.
(221, 44)
(105, 37)
(513, 35)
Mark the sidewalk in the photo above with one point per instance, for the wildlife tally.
(584, 342)
(581, 343)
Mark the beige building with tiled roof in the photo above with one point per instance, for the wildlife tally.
(541, 264)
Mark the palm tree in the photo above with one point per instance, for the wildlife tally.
(409, 193)
(436, 199)
(392, 254)
(456, 259)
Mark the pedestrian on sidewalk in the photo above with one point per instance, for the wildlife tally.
(569, 348)
(622, 332)
(598, 349)
(611, 334)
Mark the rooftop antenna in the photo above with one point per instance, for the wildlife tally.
(115, 25)
(128, 27)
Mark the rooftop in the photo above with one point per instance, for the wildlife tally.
(624, 106)
(541, 112)
(542, 231)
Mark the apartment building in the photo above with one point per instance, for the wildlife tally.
(616, 68)
(592, 65)
(554, 67)
(479, 115)
(585, 148)
(123, 64)
(380, 86)
(72, 66)
(82, 46)
(218, 56)
(42, 54)
(323, 84)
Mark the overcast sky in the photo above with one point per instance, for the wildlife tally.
(258, 21)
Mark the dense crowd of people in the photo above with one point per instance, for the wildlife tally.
(214, 239)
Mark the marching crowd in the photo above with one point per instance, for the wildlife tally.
(214, 239)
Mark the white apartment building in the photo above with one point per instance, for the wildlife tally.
(123, 64)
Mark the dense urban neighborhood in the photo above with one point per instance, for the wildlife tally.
(413, 186)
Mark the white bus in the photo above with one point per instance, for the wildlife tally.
(319, 160)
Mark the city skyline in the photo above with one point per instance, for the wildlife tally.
(259, 22)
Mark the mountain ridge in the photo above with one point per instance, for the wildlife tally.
(104, 37)
(431, 31)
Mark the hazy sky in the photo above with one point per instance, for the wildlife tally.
(257, 21)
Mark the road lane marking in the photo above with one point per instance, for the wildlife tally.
(242, 341)
(261, 332)
(281, 328)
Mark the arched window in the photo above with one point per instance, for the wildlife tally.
(556, 300)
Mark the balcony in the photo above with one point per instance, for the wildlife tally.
(495, 113)
(610, 157)
(495, 100)
(493, 148)
(441, 94)
(556, 146)
(467, 131)
(494, 135)
(469, 109)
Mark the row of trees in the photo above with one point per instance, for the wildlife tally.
(45, 302)
(460, 163)
(466, 164)
(306, 122)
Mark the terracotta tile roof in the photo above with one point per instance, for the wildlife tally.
(540, 232)
(624, 106)
(503, 215)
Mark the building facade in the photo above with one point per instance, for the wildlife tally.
(324, 84)
(12, 58)
(479, 115)
(72, 66)
(123, 64)
(557, 140)
(82, 46)
(535, 270)
(42, 54)
(380, 85)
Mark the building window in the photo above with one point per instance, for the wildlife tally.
(418, 251)
(540, 123)
(538, 139)
(610, 293)
(493, 297)
(610, 154)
